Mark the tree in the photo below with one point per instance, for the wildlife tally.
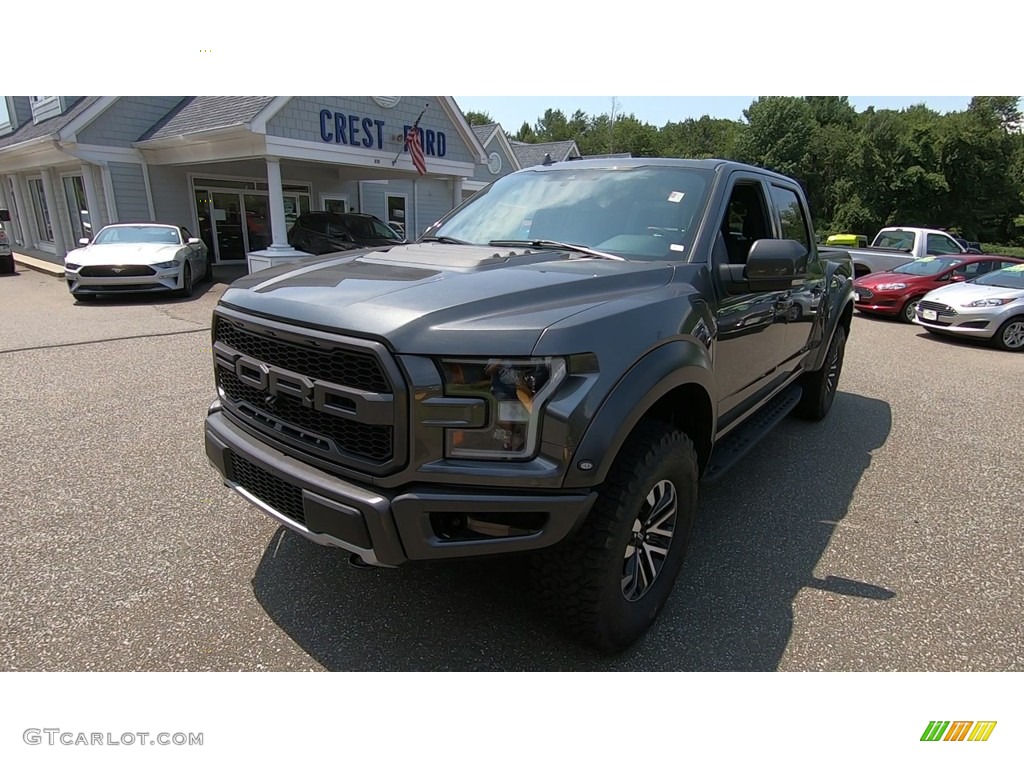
(479, 118)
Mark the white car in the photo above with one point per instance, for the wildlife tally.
(988, 307)
(137, 258)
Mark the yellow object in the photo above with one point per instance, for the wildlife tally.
(849, 241)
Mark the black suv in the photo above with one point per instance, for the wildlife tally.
(320, 232)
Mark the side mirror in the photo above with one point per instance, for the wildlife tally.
(83, 241)
(775, 264)
(193, 241)
(957, 278)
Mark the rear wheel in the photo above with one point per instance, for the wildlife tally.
(820, 386)
(1010, 335)
(609, 582)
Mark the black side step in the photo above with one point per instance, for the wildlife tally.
(738, 443)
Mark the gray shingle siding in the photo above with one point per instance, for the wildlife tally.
(300, 119)
(482, 173)
(21, 109)
(126, 119)
(129, 192)
(172, 200)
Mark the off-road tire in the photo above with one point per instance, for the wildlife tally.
(820, 386)
(581, 580)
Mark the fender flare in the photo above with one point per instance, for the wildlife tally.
(656, 374)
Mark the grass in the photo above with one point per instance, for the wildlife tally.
(1006, 250)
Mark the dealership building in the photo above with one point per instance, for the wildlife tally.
(234, 170)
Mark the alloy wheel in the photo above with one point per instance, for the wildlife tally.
(1013, 335)
(650, 540)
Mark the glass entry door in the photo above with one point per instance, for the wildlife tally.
(257, 222)
(228, 223)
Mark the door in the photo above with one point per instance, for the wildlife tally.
(751, 324)
(257, 222)
(802, 303)
(204, 216)
(229, 225)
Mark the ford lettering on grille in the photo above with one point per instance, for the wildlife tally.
(345, 424)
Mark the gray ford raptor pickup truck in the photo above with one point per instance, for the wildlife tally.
(553, 368)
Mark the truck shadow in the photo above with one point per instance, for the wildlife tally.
(761, 534)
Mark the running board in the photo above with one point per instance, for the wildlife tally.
(738, 443)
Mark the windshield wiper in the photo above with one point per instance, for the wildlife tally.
(558, 245)
(443, 239)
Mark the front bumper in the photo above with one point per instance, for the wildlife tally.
(163, 280)
(981, 322)
(387, 528)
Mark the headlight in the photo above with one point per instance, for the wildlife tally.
(165, 265)
(72, 267)
(515, 391)
(988, 303)
(891, 286)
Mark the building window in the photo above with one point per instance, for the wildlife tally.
(42, 213)
(81, 223)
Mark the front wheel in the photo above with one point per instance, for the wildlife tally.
(820, 386)
(910, 310)
(186, 281)
(609, 582)
(1010, 335)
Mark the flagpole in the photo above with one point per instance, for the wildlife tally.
(405, 138)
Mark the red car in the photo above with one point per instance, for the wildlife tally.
(897, 292)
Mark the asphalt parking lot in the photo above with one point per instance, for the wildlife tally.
(887, 537)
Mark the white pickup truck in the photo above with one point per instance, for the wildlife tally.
(894, 246)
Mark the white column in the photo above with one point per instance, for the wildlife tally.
(456, 192)
(51, 206)
(278, 224)
(279, 251)
(91, 198)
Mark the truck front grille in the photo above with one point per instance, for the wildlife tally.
(313, 427)
(339, 399)
(351, 369)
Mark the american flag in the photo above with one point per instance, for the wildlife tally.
(412, 140)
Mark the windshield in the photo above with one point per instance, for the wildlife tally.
(641, 212)
(367, 228)
(929, 265)
(139, 234)
(894, 238)
(1010, 277)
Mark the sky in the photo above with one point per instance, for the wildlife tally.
(512, 111)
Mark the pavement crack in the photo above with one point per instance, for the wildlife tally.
(205, 329)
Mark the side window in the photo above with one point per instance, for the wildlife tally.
(972, 269)
(186, 234)
(791, 214)
(940, 245)
(745, 221)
